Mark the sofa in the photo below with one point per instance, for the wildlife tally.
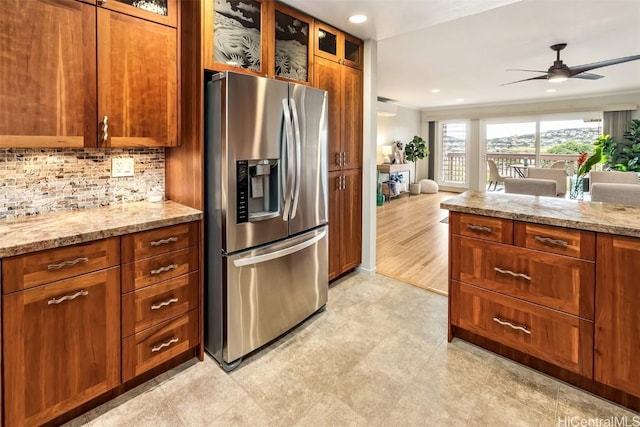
(555, 174)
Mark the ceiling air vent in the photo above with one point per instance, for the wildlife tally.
(386, 110)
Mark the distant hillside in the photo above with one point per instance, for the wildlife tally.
(517, 143)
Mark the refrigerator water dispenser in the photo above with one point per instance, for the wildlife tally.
(257, 190)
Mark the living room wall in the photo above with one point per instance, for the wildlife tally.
(403, 126)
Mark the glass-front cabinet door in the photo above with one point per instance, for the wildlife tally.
(160, 11)
(292, 45)
(239, 35)
(337, 46)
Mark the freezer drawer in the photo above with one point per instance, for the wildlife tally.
(272, 289)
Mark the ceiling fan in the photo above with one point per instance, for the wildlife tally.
(559, 72)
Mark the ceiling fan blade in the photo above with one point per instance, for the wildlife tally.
(533, 71)
(587, 76)
(545, 77)
(586, 67)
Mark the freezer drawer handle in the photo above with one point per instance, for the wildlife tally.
(511, 325)
(524, 276)
(551, 241)
(164, 344)
(55, 301)
(163, 269)
(164, 241)
(164, 304)
(65, 263)
(279, 254)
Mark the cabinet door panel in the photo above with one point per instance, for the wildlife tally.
(160, 11)
(48, 69)
(59, 353)
(351, 220)
(352, 117)
(236, 36)
(292, 40)
(617, 335)
(335, 214)
(137, 82)
(327, 77)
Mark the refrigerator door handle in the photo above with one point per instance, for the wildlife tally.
(280, 253)
(298, 149)
(288, 192)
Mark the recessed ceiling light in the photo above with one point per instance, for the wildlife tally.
(357, 19)
(460, 99)
(435, 90)
(551, 90)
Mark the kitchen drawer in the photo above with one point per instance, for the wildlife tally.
(159, 241)
(37, 268)
(562, 283)
(558, 338)
(557, 240)
(147, 271)
(152, 305)
(481, 227)
(153, 346)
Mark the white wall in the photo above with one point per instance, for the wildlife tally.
(403, 126)
(475, 114)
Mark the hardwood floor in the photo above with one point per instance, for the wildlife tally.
(412, 243)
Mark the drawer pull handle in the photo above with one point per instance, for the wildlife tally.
(551, 241)
(65, 263)
(163, 269)
(479, 228)
(524, 276)
(164, 304)
(511, 325)
(164, 344)
(54, 301)
(164, 241)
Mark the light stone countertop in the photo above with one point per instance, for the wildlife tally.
(593, 216)
(52, 230)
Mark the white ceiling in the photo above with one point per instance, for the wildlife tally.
(464, 47)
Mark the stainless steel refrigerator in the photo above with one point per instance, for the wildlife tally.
(265, 211)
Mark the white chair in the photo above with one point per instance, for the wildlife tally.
(612, 177)
(494, 174)
(558, 165)
(531, 186)
(622, 194)
(558, 175)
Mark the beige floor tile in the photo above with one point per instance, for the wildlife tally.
(330, 411)
(245, 412)
(578, 406)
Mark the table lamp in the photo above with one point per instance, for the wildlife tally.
(386, 152)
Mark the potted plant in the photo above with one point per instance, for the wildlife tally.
(624, 156)
(415, 150)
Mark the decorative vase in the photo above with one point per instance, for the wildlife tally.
(577, 189)
(380, 199)
(414, 188)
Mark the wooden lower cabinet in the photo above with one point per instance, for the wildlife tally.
(345, 221)
(558, 338)
(60, 346)
(617, 334)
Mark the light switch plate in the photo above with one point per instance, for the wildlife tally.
(121, 167)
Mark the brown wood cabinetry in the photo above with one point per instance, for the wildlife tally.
(61, 348)
(337, 46)
(160, 296)
(562, 300)
(70, 64)
(345, 221)
(617, 333)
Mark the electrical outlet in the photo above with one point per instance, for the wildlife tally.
(121, 167)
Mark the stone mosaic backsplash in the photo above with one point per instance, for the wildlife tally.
(34, 181)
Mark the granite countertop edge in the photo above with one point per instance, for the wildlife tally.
(52, 230)
(582, 215)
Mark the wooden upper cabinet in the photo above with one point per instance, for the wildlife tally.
(337, 46)
(137, 82)
(48, 69)
(160, 11)
(352, 112)
(239, 34)
(292, 39)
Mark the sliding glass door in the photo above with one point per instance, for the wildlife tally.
(452, 154)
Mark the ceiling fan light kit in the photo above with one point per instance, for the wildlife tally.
(560, 72)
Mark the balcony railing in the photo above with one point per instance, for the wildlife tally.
(453, 170)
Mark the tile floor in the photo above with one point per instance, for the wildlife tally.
(377, 356)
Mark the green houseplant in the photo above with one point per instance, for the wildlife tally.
(624, 156)
(415, 150)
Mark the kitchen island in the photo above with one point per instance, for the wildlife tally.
(551, 283)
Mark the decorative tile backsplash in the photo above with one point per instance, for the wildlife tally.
(34, 181)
